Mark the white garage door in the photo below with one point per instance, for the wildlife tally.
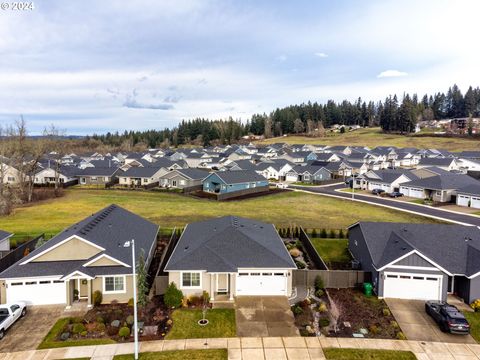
(261, 283)
(412, 286)
(37, 292)
(412, 192)
(475, 203)
(463, 200)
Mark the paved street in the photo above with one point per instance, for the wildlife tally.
(399, 205)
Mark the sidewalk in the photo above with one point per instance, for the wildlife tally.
(267, 348)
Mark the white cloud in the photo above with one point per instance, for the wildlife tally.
(321, 55)
(391, 73)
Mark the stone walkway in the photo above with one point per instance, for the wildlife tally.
(267, 348)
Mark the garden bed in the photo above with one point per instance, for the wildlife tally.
(359, 314)
(299, 254)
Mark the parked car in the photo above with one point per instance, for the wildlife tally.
(282, 185)
(448, 317)
(9, 314)
(395, 194)
(377, 191)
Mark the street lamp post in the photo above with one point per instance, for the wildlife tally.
(135, 320)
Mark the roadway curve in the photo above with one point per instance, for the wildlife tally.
(422, 210)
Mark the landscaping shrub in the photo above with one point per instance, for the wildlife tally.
(173, 297)
(130, 302)
(100, 327)
(297, 310)
(322, 307)
(129, 320)
(97, 297)
(75, 294)
(78, 328)
(76, 320)
(124, 332)
(83, 333)
(386, 312)
(401, 336)
(205, 297)
(100, 320)
(475, 305)
(323, 322)
(323, 233)
(319, 293)
(194, 300)
(185, 302)
(394, 324)
(300, 264)
(374, 329)
(319, 284)
(295, 252)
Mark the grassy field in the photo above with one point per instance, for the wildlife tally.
(185, 326)
(169, 210)
(364, 354)
(374, 137)
(211, 354)
(332, 250)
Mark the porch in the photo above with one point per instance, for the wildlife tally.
(79, 292)
(221, 286)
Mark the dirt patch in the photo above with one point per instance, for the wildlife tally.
(361, 312)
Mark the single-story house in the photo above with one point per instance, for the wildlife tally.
(97, 175)
(140, 175)
(418, 261)
(469, 196)
(9, 173)
(231, 256)
(66, 175)
(227, 184)
(387, 179)
(274, 169)
(184, 178)
(88, 256)
(308, 174)
(447, 163)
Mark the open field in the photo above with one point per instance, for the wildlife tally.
(372, 137)
(169, 210)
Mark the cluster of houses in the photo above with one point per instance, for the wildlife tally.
(233, 170)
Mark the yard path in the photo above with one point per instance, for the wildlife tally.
(258, 348)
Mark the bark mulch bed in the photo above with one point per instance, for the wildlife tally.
(363, 312)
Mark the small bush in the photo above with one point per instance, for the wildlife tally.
(130, 302)
(194, 300)
(129, 320)
(297, 310)
(294, 252)
(374, 329)
(124, 332)
(394, 324)
(475, 305)
(83, 333)
(97, 297)
(100, 327)
(205, 297)
(185, 302)
(323, 322)
(319, 293)
(100, 320)
(319, 284)
(173, 297)
(323, 233)
(75, 294)
(300, 265)
(76, 320)
(386, 312)
(78, 328)
(322, 307)
(401, 336)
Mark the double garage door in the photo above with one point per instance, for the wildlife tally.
(466, 200)
(412, 192)
(412, 286)
(37, 292)
(259, 283)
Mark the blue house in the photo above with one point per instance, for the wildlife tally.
(227, 184)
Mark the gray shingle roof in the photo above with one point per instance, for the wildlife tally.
(456, 248)
(109, 228)
(138, 171)
(194, 174)
(97, 171)
(443, 182)
(436, 161)
(239, 176)
(228, 243)
(4, 234)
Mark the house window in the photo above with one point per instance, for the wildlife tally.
(190, 279)
(439, 193)
(114, 284)
(253, 185)
(106, 178)
(94, 178)
(10, 178)
(182, 182)
(145, 180)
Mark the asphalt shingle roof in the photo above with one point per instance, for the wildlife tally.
(228, 243)
(239, 176)
(4, 234)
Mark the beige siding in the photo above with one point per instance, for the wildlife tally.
(73, 249)
(3, 292)
(206, 279)
(104, 261)
(97, 284)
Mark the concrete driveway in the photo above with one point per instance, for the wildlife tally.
(28, 332)
(264, 316)
(416, 324)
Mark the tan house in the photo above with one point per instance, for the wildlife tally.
(91, 255)
(230, 257)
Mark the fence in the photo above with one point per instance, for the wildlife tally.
(18, 253)
(161, 279)
(311, 251)
(339, 279)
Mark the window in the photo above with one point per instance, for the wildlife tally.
(266, 274)
(279, 274)
(16, 283)
(254, 274)
(432, 279)
(114, 284)
(243, 274)
(191, 279)
(182, 182)
(30, 283)
(106, 178)
(145, 180)
(94, 178)
(58, 281)
(44, 282)
(10, 178)
(14, 308)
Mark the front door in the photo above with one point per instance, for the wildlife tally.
(83, 288)
(222, 283)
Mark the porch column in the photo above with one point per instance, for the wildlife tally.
(230, 290)
(89, 290)
(212, 288)
(69, 293)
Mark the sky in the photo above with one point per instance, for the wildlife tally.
(97, 66)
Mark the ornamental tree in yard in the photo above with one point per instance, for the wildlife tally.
(142, 285)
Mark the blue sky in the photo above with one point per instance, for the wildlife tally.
(96, 66)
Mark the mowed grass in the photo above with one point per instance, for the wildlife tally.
(373, 137)
(169, 210)
(367, 354)
(332, 250)
(185, 324)
(211, 354)
(473, 319)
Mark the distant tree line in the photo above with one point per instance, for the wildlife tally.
(392, 115)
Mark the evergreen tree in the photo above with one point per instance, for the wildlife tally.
(142, 281)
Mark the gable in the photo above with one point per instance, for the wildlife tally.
(104, 261)
(73, 249)
(414, 260)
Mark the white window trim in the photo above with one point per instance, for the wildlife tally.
(190, 287)
(115, 291)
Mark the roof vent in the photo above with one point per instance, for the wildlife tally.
(404, 248)
(186, 248)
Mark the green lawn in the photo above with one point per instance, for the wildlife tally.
(213, 354)
(332, 250)
(473, 319)
(373, 137)
(169, 210)
(50, 341)
(367, 354)
(185, 326)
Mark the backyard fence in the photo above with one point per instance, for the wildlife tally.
(311, 251)
(161, 279)
(339, 279)
(18, 253)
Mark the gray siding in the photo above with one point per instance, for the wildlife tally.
(474, 292)
(461, 287)
(414, 260)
